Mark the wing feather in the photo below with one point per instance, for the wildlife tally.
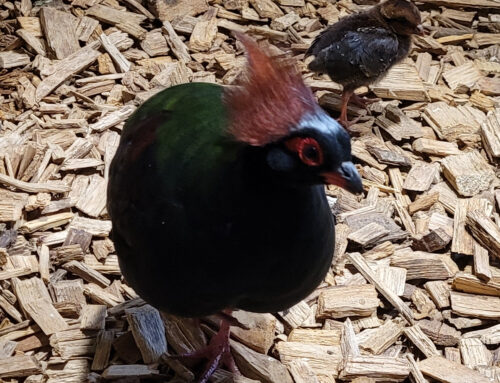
(368, 51)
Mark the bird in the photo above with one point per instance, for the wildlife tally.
(217, 196)
(360, 48)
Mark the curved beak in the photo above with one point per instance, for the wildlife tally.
(346, 176)
(420, 30)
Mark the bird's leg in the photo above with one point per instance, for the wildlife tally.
(217, 352)
(346, 96)
(363, 102)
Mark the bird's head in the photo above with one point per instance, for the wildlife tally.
(275, 113)
(402, 16)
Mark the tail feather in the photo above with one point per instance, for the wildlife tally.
(311, 50)
(316, 46)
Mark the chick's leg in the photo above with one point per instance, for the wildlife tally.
(346, 96)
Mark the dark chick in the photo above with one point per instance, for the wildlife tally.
(217, 196)
(360, 48)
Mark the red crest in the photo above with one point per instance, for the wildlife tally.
(271, 99)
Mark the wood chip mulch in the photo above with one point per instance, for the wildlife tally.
(415, 289)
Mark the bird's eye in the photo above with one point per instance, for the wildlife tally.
(308, 150)
(310, 153)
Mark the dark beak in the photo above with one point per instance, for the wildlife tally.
(346, 176)
(420, 30)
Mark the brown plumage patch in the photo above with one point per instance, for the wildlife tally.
(402, 16)
(272, 98)
(393, 9)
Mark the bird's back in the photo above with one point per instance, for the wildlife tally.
(336, 31)
(196, 229)
(357, 50)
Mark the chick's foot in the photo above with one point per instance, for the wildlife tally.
(346, 96)
(362, 102)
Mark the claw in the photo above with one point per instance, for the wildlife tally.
(362, 102)
(348, 95)
(347, 124)
(217, 352)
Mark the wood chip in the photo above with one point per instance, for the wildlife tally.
(93, 317)
(439, 291)
(437, 266)
(19, 366)
(474, 353)
(486, 232)
(490, 132)
(60, 31)
(478, 306)
(149, 333)
(368, 273)
(103, 350)
(383, 337)
(471, 284)
(369, 234)
(422, 341)
(393, 86)
(136, 371)
(446, 371)
(420, 177)
(426, 229)
(469, 173)
(376, 367)
(12, 60)
(66, 68)
(324, 360)
(35, 300)
(488, 336)
(463, 77)
(340, 301)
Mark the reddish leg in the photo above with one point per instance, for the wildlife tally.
(362, 102)
(217, 352)
(346, 96)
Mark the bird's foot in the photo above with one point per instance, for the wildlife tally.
(362, 102)
(347, 124)
(347, 96)
(217, 352)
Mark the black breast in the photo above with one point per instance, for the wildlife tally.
(248, 245)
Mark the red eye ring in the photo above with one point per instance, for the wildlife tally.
(308, 150)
